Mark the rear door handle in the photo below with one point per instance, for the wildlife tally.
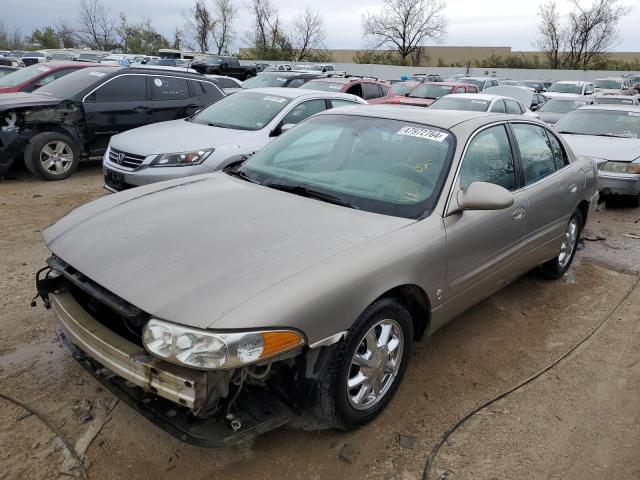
(518, 214)
(141, 108)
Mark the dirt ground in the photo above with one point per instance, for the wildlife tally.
(581, 420)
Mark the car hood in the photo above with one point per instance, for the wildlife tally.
(562, 95)
(176, 136)
(21, 99)
(192, 250)
(605, 148)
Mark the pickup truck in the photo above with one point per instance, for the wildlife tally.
(221, 65)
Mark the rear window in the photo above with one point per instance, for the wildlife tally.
(324, 86)
(23, 75)
(457, 103)
(266, 80)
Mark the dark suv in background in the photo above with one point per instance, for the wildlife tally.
(223, 65)
(76, 115)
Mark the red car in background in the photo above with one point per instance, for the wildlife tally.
(35, 76)
(424, 94)
(370, 89)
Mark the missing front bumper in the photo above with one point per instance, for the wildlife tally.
(162, 392)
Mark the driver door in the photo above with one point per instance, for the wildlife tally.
(483, 246)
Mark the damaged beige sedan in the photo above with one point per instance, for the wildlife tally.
(223, 305)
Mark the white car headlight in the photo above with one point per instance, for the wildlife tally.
(181, 159)
(215, 350)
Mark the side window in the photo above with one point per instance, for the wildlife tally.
(489, 159)
(535, 152)
(125, 88)
(212, 93)
(169, 88)
(304, 110)
(460, 90)
(356, 90)
(370, 90)
(498, 107)
(512, 107)
(336, 103)
(559, 155)
(226, 83)
(330, 68)
(295, 83)
(384, 89)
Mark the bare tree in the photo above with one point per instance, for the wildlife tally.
(552, 36)
(405, 25)
(66, 34)
(307, 33)
(178, 36)
(96, 25)
(198, 25)
(593, 31)
(267, 39)
(11, 40)
(587, 35)
(225, 14)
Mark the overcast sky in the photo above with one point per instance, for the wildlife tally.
(510, 23)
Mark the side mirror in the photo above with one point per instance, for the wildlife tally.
(280, 129)
(485, 196)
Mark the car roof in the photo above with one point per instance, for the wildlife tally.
(345, 80)
(437, 118)
(57, 65)
(479, 78)
(481, 96)
(290, 73)
(610, 78)
(616, 107)
(616, 96)
(572, 82)
(290, 92)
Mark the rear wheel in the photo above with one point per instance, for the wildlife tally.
(558, 266)
(51, 156)
(366, 370)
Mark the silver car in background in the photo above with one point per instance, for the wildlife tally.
(225, 132)
(609, 134)
(483, 102)
(307, 272)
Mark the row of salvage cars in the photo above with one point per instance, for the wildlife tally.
(299, 274)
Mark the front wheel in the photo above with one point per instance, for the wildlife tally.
(367, 368)
(558, 266)
(51, 156)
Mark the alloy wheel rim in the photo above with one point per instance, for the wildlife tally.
(375, 364)
(56, 157)
(569, 243)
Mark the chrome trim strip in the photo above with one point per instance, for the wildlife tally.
(330, 340)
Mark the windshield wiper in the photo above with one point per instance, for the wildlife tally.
(571, 133)
(616, 135)
(217, 125)
(310, 193)
(234, 172)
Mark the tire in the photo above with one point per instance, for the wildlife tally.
(337, 404)
(559, 265)
(52, 156)
(633, 200)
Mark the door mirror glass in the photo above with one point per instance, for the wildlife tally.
(484, 196)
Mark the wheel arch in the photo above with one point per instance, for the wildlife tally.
(583, 207)
(416, 301)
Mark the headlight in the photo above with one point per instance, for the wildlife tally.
(181, 159)
(210, 350)
(621, 167)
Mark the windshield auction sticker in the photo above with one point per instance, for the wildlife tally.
(274, 99)
(423, 133)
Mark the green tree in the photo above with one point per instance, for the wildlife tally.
(44, 38)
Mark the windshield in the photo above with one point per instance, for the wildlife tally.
(457, 103)
(324, 86)
(536, 85)
(431, 91)
(33, 54)
(615, 100)
(608, 123)
(561, 106)
(566, 88)
(23, 75)
(383, 166)
(611, 84)
(61, 56)
(88, 56)
(402, 88)
(75, 82)
(477, 83)
(263, 80)
(242, 111)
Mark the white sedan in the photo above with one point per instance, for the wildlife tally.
(482, 102)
